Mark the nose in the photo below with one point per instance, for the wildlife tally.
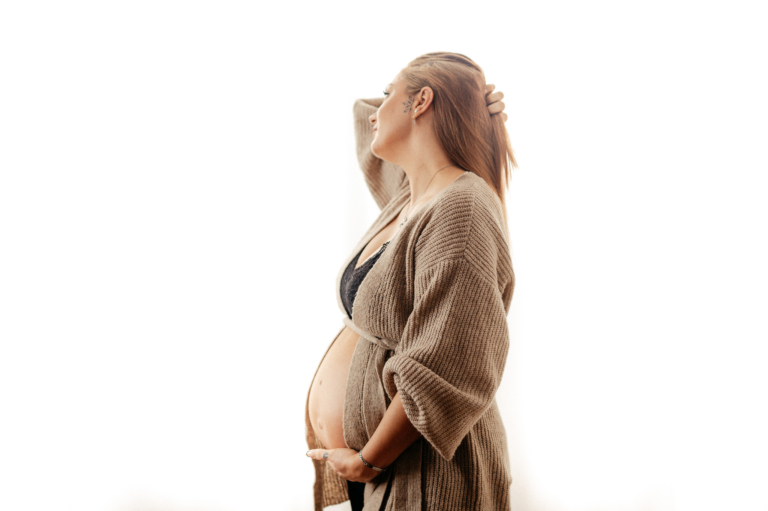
(372, 118)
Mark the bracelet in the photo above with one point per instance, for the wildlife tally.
(377, 469)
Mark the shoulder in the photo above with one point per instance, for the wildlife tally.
(466, 222)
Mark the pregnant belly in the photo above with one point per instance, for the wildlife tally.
(326, 395)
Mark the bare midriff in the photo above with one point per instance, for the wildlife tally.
(328, 389)
(326, 396)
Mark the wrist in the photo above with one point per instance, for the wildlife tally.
(369, 464)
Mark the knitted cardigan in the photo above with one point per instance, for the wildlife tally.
(432, 319)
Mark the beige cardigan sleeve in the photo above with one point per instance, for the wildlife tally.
(450, 360)
(384, 179)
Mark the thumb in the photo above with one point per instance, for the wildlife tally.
(318, 454)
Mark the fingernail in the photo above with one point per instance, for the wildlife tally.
(307, 453)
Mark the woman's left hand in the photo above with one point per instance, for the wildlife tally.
(493, 101)
(346, 463)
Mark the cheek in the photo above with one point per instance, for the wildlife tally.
(389, 120)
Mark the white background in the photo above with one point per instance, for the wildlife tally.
(178, 189)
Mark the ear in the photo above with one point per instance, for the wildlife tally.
(424, 99)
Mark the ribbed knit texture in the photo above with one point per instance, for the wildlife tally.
(431, 314)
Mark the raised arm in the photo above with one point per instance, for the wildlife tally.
(384, 179)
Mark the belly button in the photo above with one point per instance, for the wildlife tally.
(320, 382)
(320, 423)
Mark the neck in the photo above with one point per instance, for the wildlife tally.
(427, 185)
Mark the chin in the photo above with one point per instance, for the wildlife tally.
(381, 152)
(374, 147)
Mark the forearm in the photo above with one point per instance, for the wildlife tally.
(393, 436)
(383, 179)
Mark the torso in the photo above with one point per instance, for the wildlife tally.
(326, 395)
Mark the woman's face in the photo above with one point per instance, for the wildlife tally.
(392, 123)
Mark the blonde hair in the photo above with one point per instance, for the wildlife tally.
(473, 139)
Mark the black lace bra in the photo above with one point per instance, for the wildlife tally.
(352, 277)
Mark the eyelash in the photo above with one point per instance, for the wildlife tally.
(386, 93)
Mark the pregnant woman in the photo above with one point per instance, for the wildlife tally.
(401, 413)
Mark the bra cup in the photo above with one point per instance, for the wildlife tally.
(353, 277)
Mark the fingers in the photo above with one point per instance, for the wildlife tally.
(493, 98)
(493, 101)
(496, 107)
(323, 455)
(319, 454)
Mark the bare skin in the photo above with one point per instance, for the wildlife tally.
(326, 397)
(417, 150)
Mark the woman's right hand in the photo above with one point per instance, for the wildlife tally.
(494, 102)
